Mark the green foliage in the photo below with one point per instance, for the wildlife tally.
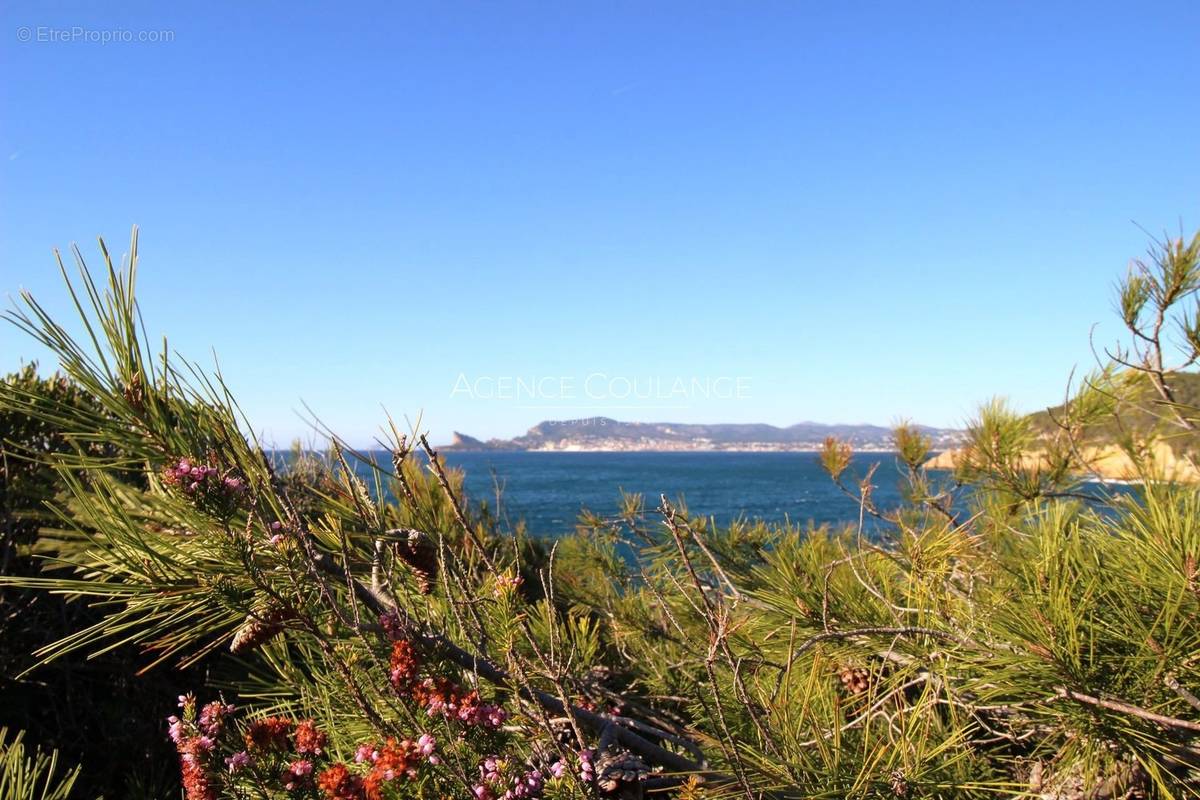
(86, 708)
(1021, 638)
(911, 445)
(26, 775)
(30, 439)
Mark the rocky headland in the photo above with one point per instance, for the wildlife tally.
(603, 434)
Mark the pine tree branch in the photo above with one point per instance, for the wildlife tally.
(498, 677)
(905, 631)
(1130, 709)
(1174, 685)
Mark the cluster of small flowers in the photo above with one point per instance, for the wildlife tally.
(270, 734)
(212, 717)
(442, 697)
(339, 783)
(309, 740)
(238, 761)
(297, 775)
(506, 583)
(393, 761)
(439, 696)
(405, 666)
(287, 754)
(387, 762)
(587, 766)
(275, 736)
(195, 738)
(524, 784)
(205, 486)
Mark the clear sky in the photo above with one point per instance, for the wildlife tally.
(858, 210)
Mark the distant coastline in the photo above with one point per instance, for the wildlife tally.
(749, 447)
(605, 435)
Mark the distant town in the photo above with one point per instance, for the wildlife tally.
(602, 434)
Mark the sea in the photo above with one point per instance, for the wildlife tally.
(549, 489)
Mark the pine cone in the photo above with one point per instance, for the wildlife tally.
(259, 627)
(856, 680)
(421, 556)
(621, 771)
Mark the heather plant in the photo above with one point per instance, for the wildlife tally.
(1008, 631)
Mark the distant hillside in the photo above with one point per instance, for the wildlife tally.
(603, 433)
(1144, 415)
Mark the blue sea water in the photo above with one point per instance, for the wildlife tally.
(548, 490)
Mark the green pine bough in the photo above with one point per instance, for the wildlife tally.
(31, 774)
(368, 631)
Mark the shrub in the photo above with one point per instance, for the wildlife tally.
(1027, 636)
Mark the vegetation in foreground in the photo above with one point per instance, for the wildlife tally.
(1022, 638)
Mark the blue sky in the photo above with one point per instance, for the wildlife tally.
(862, 210)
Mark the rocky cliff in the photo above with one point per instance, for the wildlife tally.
(1104, 461)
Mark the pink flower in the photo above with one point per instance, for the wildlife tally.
(587, 770)
(505, 583)
(212, 718)
(296, 775)
(238, 761)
